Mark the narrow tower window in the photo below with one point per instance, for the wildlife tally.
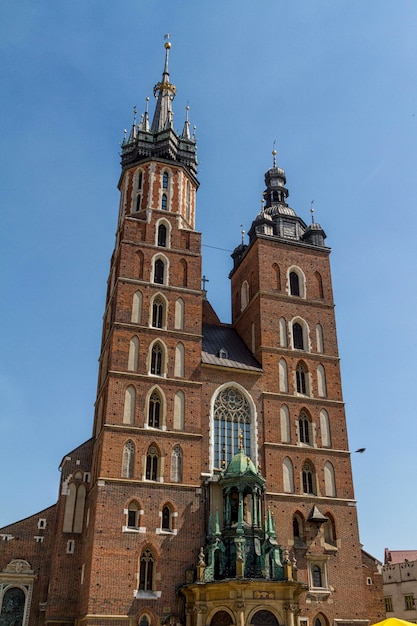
(156, 359)
(158, 310)
(294, 284)
(152, 463)
(154, 414)
(146, 570)
(166, 518)
(139, 190)
(159, 273)
(162, 236)
(301, 379)
(176, 465)
(297, 334)
(307, 475)
(165, 180)
(304, 428)
(164, 202)
(128, 463)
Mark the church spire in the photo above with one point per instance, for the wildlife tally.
(165, 92)
(160, 139)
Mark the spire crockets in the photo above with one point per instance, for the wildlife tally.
(166, 91)
(160, 140)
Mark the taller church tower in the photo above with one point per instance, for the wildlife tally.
(216, 489)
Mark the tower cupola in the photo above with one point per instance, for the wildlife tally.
(276, 193)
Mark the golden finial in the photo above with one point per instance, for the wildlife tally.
(312, 212)
(242, 232)
(274, 153)
(167, 43)
(240, 439)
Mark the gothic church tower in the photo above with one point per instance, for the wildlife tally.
(216, 489)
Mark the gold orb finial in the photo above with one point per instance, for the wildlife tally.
(274, 152)
(167, 45)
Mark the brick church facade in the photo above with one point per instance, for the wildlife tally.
(216, 489)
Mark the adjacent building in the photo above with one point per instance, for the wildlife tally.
(399, 577)
(216, 488)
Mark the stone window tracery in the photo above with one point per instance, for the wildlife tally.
(146, 570)
(232, 418)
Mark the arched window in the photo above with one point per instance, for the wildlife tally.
(319, 285)
(294, 284)
(146, 575)
(264, 618)
(283, 341)
(285, 424)
(144, 620)
(329, 531)
(298, 530)
(244, 295)
(326, 441)
(304, 428)
(301, 378)
(164, 202)
(162, 236)
(297, 336)
(158, 312)
(277, 273)
(321, 381)
(152, 459)
(179, 314)
(155, 410)
(129, 407)
(319, 338)
(179, 360)
(128, 461)
(137, 307)
(288, 475)
(179, 410)
(308, 478)
(283, 376)
(221, 618)
(329, 481)
(176, 465)
(232, 419)
(157, 355)
(166, 521)
(79, 509)
(159, 272)
(69, 507)
(133, 515)
(165, 179)
(13, 607)
(74, 506)
(139, 188)
(133, 359)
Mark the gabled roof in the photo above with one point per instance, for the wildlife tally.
(223, 347)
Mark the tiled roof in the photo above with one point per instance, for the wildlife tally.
(399, 556)
(237, 355)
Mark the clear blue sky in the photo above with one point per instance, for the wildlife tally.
(333, 82)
